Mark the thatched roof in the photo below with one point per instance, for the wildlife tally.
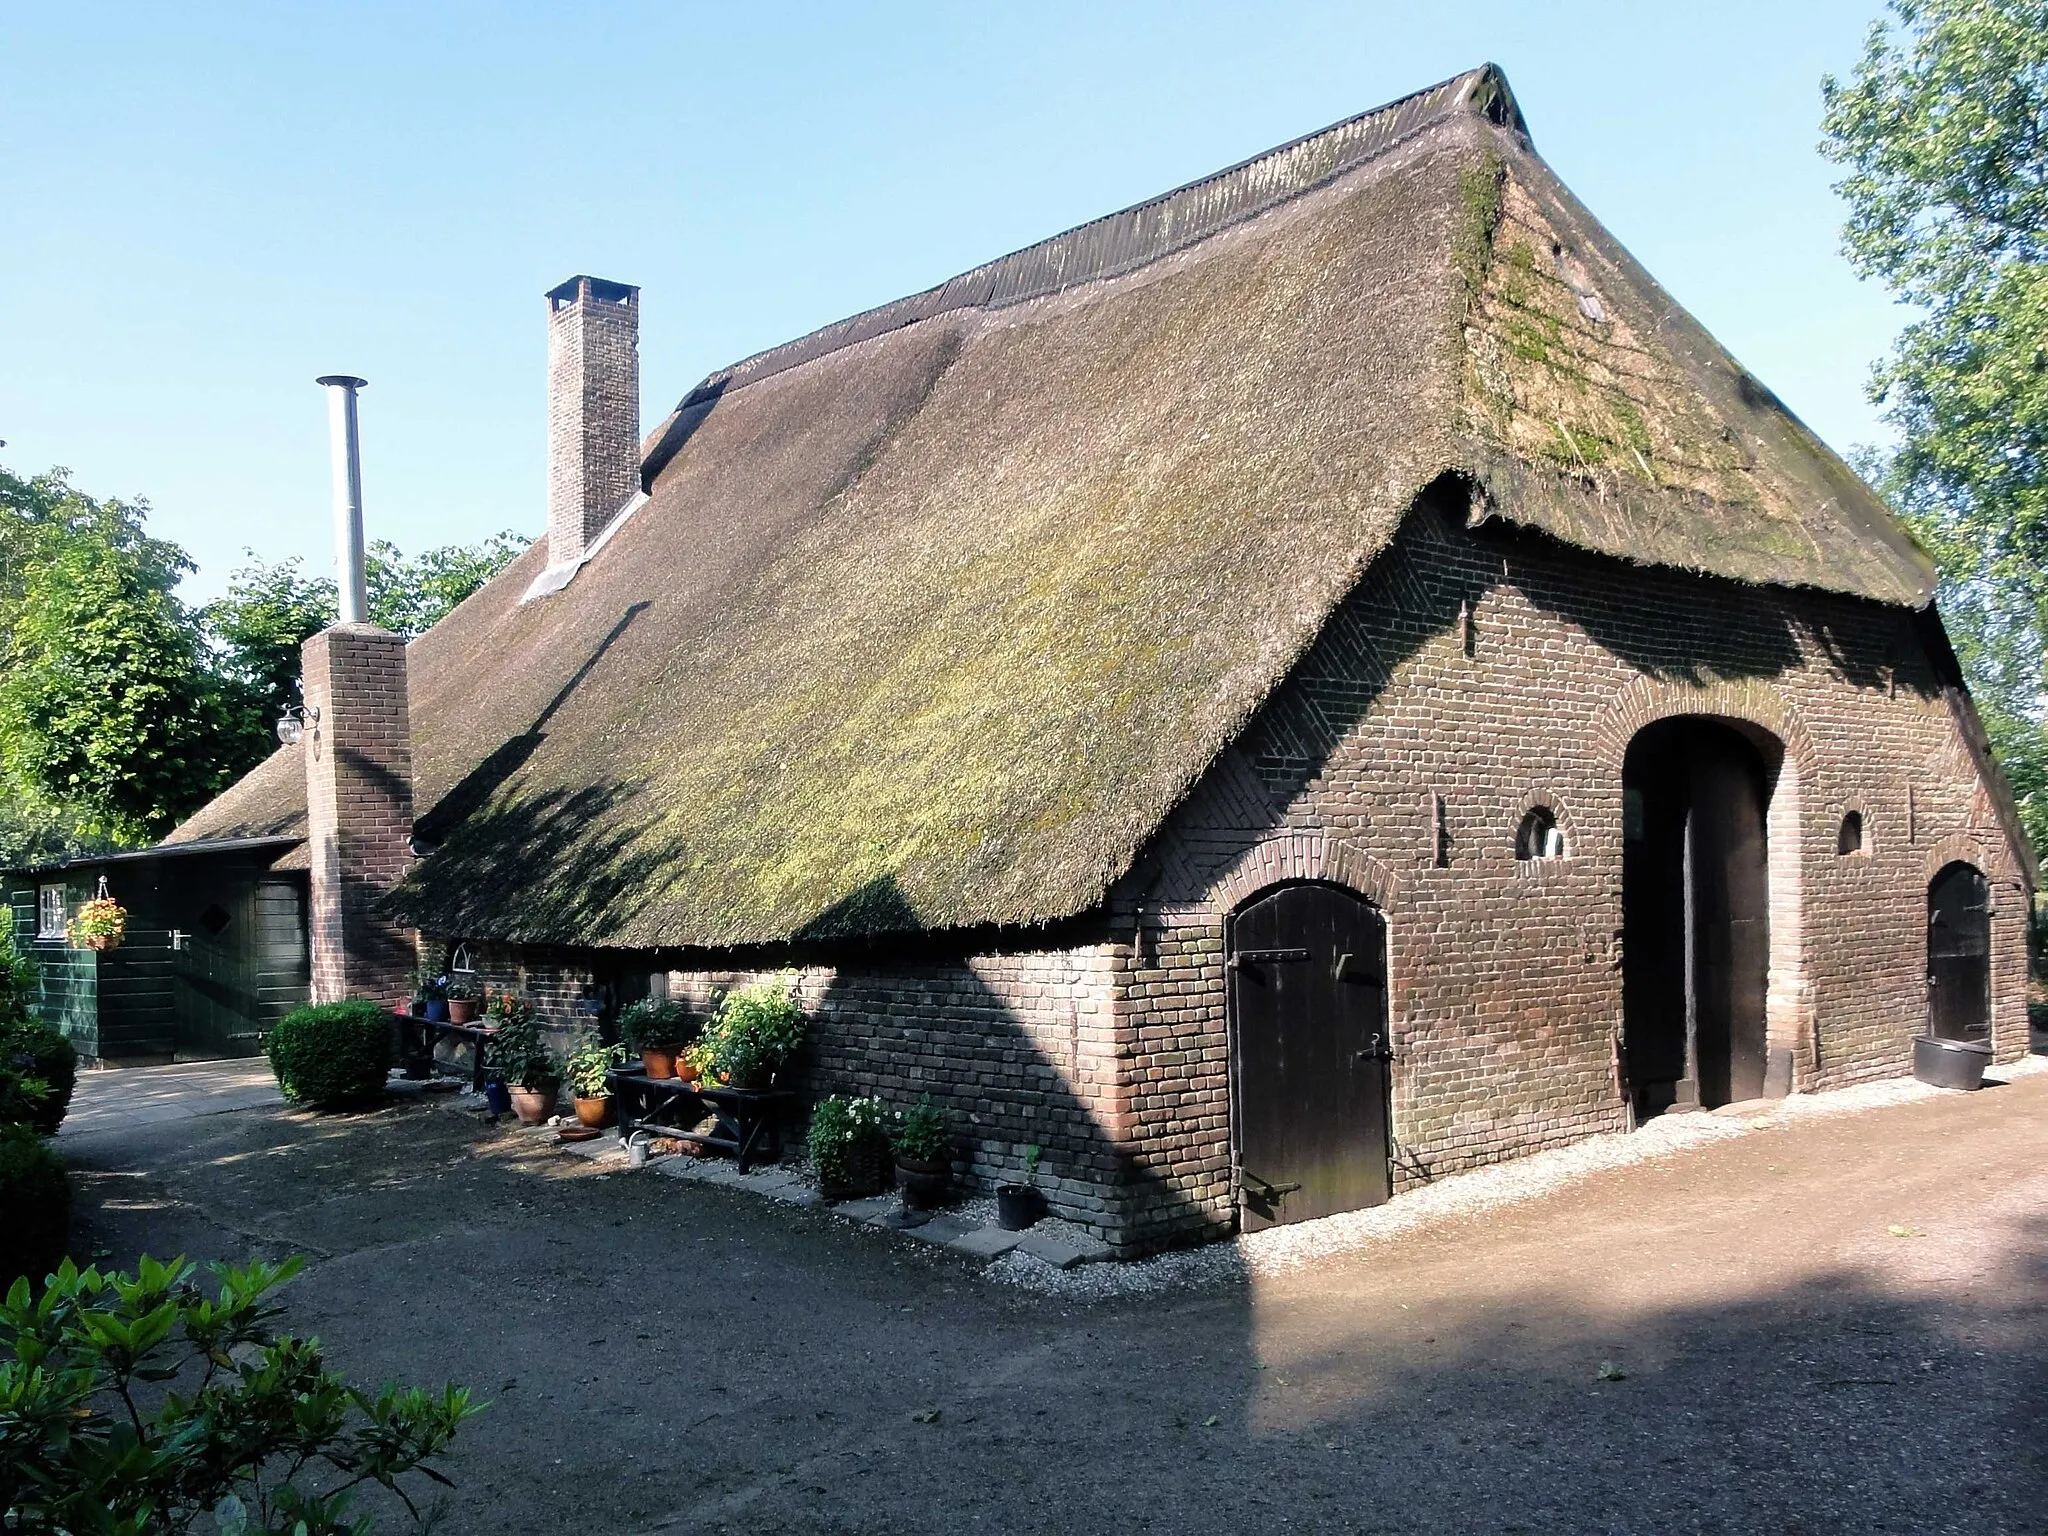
(935, 614)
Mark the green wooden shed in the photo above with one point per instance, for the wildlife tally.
(215, 952)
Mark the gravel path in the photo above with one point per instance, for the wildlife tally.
(1278, 1250)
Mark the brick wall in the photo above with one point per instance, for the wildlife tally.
(1473, 676)
(593, 410)
(358, 810)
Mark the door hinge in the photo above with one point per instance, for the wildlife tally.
(1245, 957)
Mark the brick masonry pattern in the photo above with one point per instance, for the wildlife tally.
(359, 810)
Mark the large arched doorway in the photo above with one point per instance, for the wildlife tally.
(1696, 945)
(1308, 1005)
(1959, 954)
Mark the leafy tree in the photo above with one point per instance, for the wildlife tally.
(1943, 129)
(271, 608)
(106, 703)
(140, 1406)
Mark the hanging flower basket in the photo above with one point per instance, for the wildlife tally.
(99, 924)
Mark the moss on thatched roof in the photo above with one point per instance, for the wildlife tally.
(934, 615)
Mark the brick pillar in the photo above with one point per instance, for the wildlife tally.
(358, 810)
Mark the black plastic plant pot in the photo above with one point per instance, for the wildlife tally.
(1950, 1063)
(1018, 1207)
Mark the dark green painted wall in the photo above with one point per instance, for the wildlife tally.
(215, 954)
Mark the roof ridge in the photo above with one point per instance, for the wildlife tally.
(1131, 237)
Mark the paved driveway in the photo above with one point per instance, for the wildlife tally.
(1837, 1324)
(124, 1097)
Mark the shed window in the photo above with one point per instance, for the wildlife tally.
(1540, 837)
(50, 912)
(1850, 838)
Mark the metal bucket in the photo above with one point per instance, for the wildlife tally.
(1950, 1063)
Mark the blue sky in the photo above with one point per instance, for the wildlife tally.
(202, 207)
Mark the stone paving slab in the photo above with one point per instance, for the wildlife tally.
(986, 1242)
(1062, 1255)
(942, 1229)
(871, 1210)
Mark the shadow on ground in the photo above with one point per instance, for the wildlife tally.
(668, 1357)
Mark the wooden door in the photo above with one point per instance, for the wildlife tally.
(1959, 955)
(1728, 886)
(1308, 990)
(1696, 951)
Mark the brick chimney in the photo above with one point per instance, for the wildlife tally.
(593, 411)
(356, 733)
(358, 809)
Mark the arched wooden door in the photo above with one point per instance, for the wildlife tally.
(1959, 954)
(1308, 992)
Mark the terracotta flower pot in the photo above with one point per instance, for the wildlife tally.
(689, 1072)
(534, 1105)
(461, 1010)
(595, 1113)
(100, 941)
(658, 1063)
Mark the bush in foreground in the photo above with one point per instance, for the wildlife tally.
(332, 1054)
(37, 1051)
(141, 1405)
(35, 1206)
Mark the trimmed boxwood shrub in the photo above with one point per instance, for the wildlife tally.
(35, 1206)
(332, 1054)
(35, 1050)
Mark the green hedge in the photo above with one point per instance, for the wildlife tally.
(333, 1054)
(36, 1050)
(35, 1206)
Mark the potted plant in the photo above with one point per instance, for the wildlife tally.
(924, 1164)
(849, 1146)
(100, 923)
(656, 1029)
(755, 1031)
(586, 1071)
(519, 1056)
(1020, 1206)
(464, 993)
(430, 993)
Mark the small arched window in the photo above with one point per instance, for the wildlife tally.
(1539, 837)
(1850, 838)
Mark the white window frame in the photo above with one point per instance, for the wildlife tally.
(49, 911)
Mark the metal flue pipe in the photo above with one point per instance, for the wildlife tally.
(347, 447)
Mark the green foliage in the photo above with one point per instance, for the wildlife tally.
(33, 1052)
(655, 1024)
(589, 1060)
(121, 709)
(518, 1053)
(106, 704)
(921, 1133)
(35, 1210)
(35, 831)
(332, 1054)
(141, 1406)
(271, 608)
(462, 987)
(755, 1031)
(410, 595)
(845, 1135)
(1943, 130)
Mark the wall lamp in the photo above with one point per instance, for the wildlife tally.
(291, 725)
